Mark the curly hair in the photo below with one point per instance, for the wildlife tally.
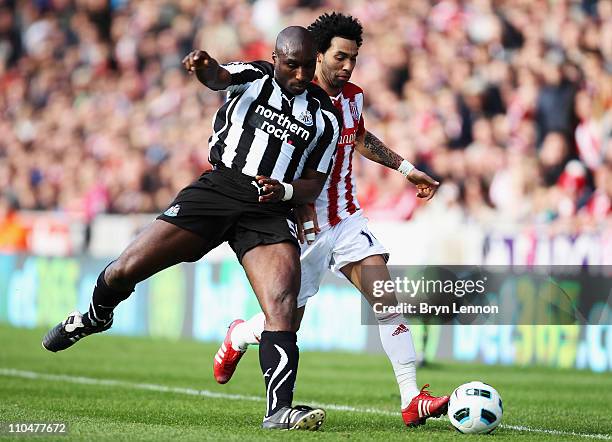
(328, 26)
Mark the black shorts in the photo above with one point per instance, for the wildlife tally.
(222, 205)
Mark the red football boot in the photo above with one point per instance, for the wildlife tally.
(423, 406)
(226, 360)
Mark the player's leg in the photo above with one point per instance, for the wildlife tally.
(274, 273)
(396, 339)
(158, 246)
(314, 260)
(395, 335)
(195, 223)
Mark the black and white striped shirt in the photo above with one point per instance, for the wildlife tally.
(262, 130)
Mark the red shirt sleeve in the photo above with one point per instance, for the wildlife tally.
(361, 127)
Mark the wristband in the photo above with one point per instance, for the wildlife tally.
(288, 192)
(405, 168)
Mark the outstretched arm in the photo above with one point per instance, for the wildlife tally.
(207, 70)
(375, 150)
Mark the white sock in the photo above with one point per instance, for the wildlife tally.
(248, 332)
(397, 342)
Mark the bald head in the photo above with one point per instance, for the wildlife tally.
(294, 39)
(295, 58)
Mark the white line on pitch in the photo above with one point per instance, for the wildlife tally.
(556, 432)
(9, 372)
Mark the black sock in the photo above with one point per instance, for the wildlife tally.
(104, 300)
(278, 357)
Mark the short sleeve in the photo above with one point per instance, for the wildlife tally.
(244, 74)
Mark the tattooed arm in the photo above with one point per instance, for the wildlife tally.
(375, 150)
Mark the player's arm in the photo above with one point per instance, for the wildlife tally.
(208, 71)
(368, 145)
(301, 191)
(232, 77)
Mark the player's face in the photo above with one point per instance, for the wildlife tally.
(294, 70)
(337, 63)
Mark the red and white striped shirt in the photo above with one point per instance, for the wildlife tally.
(338, 199)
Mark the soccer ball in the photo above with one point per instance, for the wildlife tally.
(475, 408)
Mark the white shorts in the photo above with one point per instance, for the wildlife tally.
(347, 242)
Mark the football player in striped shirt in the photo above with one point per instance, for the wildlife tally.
(344, 244)
(272, 146)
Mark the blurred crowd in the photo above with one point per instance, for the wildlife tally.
(507, 102)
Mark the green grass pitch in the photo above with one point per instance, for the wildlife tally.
(119, 388)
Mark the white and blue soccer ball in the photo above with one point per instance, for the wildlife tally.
(475, 408)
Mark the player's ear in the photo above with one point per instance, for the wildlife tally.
(274, 56)
(319, 57)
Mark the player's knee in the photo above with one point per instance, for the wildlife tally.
(285, 299)
(385, 299)
(281, 309)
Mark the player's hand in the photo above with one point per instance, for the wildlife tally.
(426, 185)
(307, 223)
(272, 190)
(199, 60)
